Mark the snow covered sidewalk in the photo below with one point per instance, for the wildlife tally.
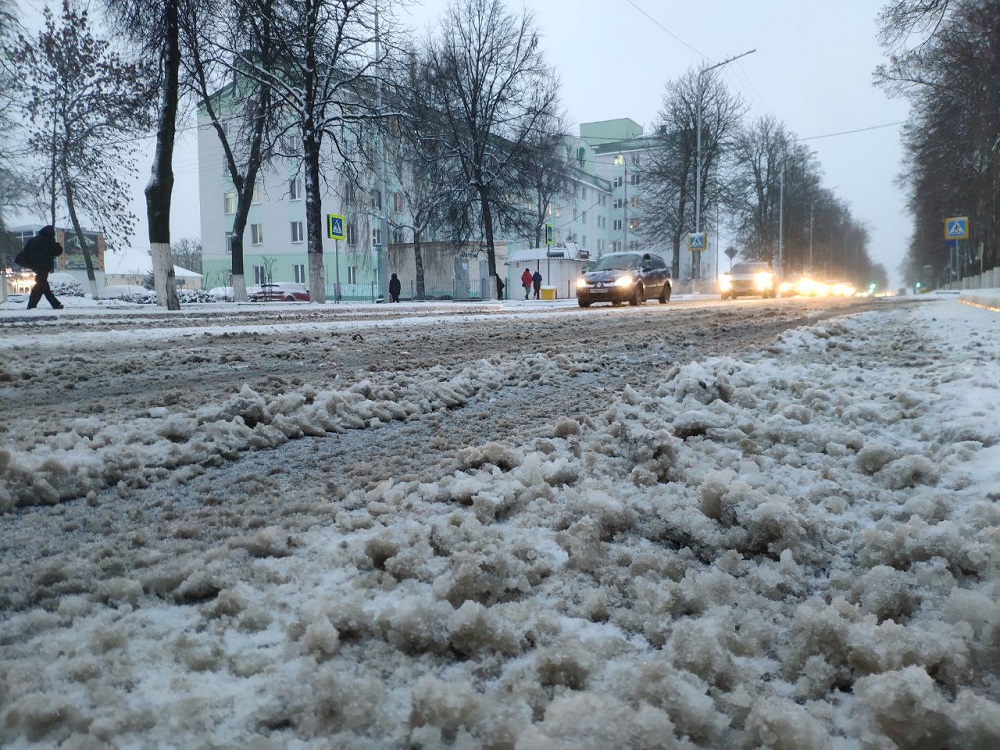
(799, 549)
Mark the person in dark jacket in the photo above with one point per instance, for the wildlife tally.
(394, 288)
(39, 255)
(536, 283)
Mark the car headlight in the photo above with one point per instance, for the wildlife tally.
(725, 283)
(763, 280)
(625, 280)
(581, 283)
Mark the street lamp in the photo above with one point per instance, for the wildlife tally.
(697, 204)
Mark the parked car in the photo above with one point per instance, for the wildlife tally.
(746, 278)
(631, 277)
(283, 291)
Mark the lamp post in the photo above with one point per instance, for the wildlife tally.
(697, 200)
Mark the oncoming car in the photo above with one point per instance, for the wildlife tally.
(632, 277)
(748, 278)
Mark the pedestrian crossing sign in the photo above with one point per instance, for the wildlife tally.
(956, 228)
(548, 234)
(696, 240)
(334, 227)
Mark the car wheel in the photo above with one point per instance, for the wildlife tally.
(637, 297)
(665, 294)
(289, 299)
(583, 302)
(616, 302)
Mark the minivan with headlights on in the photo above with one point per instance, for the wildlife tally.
(748, 278)
(632, 277)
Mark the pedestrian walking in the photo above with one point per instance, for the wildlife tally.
(394, 288)
(536, 283)
(39, 255)
(526, 282)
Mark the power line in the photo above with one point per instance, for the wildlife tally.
(857, 130)
(664, 28)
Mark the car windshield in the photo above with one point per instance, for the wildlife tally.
(750, 267)
(617, 263)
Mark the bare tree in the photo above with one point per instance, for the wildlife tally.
(240, 107)
(155, 25)
(186, 253)
(547, 172)
(949, 74)
(324, 72)
(670, 175)
(85, 105)
(494, 92)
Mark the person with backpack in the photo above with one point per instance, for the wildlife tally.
(526, 282)
(39, 255)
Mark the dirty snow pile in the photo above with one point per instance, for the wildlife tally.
(799, 550)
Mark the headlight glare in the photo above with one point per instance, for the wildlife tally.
(625, 280)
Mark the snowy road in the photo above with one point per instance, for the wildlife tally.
(693, 525)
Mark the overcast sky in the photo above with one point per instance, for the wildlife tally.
(811, 69)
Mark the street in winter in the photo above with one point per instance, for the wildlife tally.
(697, 525)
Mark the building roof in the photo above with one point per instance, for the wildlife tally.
(132, 262)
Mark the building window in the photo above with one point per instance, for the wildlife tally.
(297, 231)
(619, 202)
(398, 237)
(576, 214)
(583, 242)
(257, 234)
(636, 201)
(352, 274)
(350, 197)
(617, 182)
(633, 225)
(377, 237)
(634, 178)
(299, 271)
(229, 242)
(258, 193)
(377, 197)
(617, 225)
(635, 159)
(397, 200)
(352, 234)
(583, 216)
(229, 201)
(583, 192)
(295, 189)
(616, 246)
(259, 275)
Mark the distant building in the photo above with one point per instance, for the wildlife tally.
(599, 211)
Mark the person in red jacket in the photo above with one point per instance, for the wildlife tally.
(526, 282)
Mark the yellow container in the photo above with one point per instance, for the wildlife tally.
(548, 292)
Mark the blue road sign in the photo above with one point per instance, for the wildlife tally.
(696, 240)
(335, 227)
(956, 228)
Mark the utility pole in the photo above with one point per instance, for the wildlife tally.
(697, 200)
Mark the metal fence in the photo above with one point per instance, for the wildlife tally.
(370, 292)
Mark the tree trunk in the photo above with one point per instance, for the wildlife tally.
(314, 218)
(161, 181)
(71, 207)
(491, 258)
(418, 263)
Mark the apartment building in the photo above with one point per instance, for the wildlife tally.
(599, 211)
